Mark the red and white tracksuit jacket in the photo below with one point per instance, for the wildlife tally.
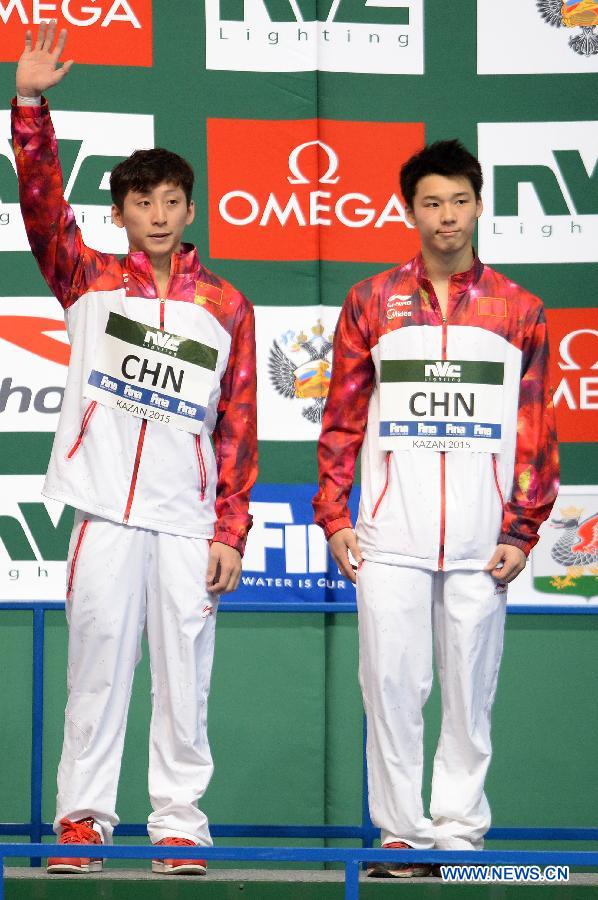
(439, 510)
(103, 461)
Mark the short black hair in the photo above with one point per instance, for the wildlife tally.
(448, 158)
(145, 169)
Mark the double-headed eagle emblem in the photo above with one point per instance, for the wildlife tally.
(310, 378)
(574, 14)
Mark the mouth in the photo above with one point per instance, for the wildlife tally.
(448, 233)
(159, 236)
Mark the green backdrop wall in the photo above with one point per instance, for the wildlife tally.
(285, 718)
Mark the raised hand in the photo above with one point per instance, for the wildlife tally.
(38, 66)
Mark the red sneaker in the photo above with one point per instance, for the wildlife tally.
(178, 866)
(80, 832)
(398, 870)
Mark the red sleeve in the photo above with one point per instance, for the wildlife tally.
(345, 417)
(235, 434)
(65, 262)
(536, 475)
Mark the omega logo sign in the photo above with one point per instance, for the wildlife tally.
(565, 348)
(332, 196)
(108, 33)
(319, 209)
(574, 372)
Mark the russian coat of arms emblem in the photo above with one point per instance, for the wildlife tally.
(574, 14)
(302, 369)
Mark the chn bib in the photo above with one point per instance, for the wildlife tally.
(431, 404)
(152, 374)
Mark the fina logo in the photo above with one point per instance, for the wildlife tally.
(319, 208)
(286, 553)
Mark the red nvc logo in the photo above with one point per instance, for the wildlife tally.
(309, 189)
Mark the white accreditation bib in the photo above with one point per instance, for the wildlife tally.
(152, 374)
(428, 404)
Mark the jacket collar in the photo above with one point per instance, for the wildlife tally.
(184, 263)
(460, 282)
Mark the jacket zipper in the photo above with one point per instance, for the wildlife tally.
(385, 488)
(496, 482)
(141, 437)
(82, 531)
(84, 424)
(202, 468)
(442, 471)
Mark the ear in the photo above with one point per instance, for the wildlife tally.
(117, 216)
(409, 215)
(479, 207)
(190, 212)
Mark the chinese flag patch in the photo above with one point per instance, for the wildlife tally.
(492, 306)
(205, 292)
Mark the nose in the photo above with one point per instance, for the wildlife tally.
(447, 212)
(159, 216)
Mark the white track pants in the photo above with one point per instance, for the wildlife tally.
(402, 611)
(123, 580)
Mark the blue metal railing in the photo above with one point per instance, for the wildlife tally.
(365, 832)
(350, 858)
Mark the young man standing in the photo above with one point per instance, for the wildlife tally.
(440, 376)
(162, 365)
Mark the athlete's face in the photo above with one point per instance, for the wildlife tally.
(445, 211)
(155, 219)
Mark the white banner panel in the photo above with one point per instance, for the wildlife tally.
(34, 537)
(34, 350)
(529, 37)
(294, 353)
(90, 145)
(563, 566)
(384, 37)
(540, 192)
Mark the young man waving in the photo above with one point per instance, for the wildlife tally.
(156, 449)
(440, 376)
